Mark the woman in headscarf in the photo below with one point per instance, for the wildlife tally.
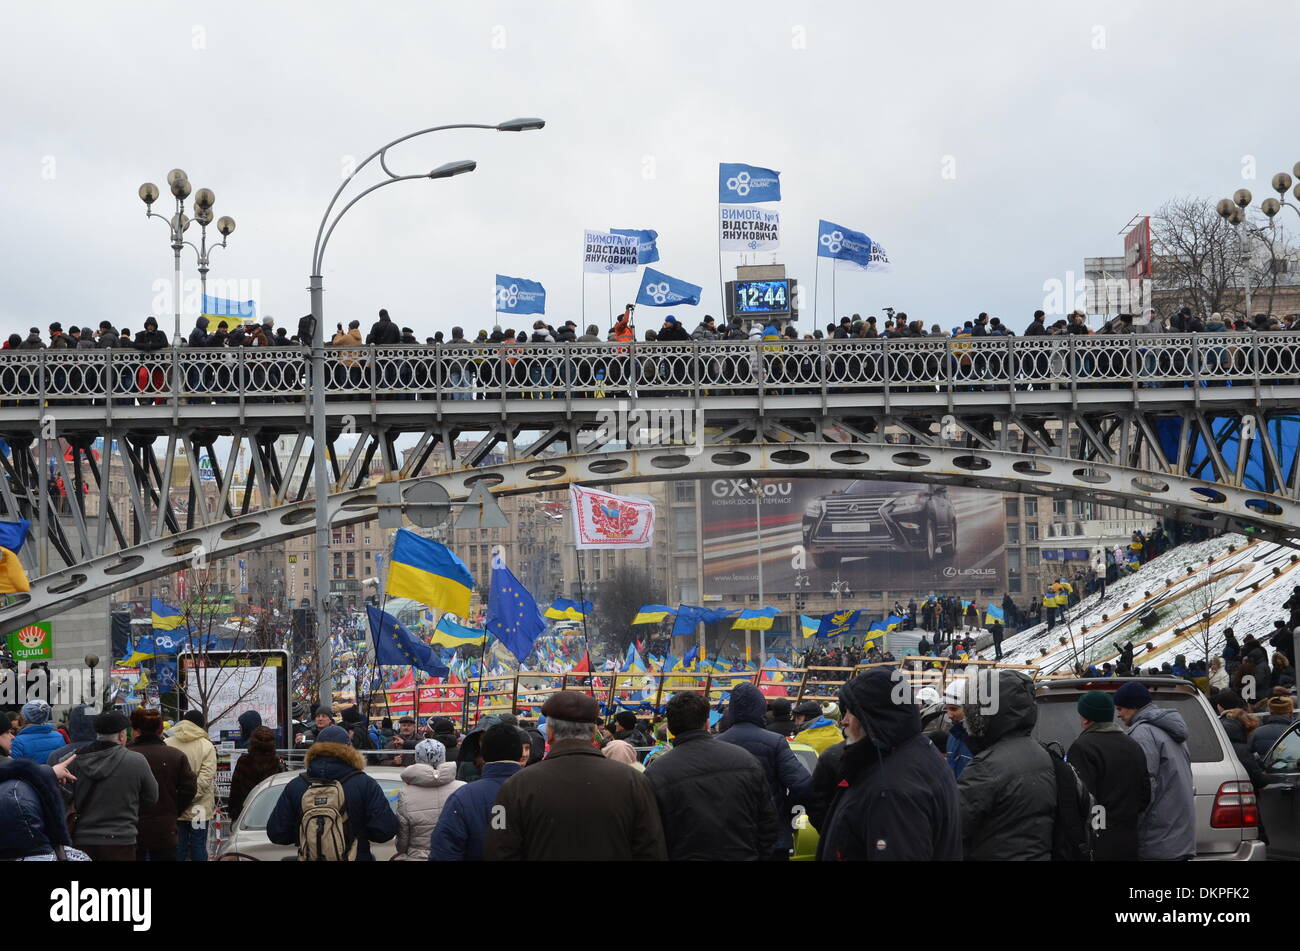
(429, 783)
(621, 751)
(253, 766)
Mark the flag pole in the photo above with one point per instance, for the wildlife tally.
(722, 286)
(817, 273)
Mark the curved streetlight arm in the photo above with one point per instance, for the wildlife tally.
(318, 252)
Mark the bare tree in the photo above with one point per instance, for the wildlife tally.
(1199, 258)
(1204, 601)
(617, 601)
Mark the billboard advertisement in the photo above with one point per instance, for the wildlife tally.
(882, 536)
(1137, 250)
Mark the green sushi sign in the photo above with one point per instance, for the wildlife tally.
(33, 642)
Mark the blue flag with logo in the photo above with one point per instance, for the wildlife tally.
(837, 622)
(395, 646)
(660, 290)
(843, 244)
(515, 295)
(741, 184)
(647, 249)
(512, 613)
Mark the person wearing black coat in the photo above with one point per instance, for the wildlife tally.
(177, 784)
(253, 766)
(789, 783)
(825, 778)
(713, 798)
(782, 721)
(384, 332)
(1235, 731)
(1008, 791)
(1113, 768)
(897, 800)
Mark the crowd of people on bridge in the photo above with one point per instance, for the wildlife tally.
(477, 374)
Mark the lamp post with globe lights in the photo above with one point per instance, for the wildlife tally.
(1233, 211)
(178, 183)
(317, 291)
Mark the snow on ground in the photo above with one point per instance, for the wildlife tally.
(1239, 589)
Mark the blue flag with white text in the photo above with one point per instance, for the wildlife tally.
(647, 249)
(516, 295)
(741, 184)
(660, 290)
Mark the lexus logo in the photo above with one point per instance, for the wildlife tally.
(856, 507)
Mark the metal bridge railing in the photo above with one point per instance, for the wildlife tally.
(581, 371)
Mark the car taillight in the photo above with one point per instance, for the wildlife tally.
(1234, 807)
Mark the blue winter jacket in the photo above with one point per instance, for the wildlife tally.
(772, 750)
(36, 741)
(370, 816)
(959, 753)
(463, 823)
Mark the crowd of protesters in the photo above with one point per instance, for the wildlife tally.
(478, 374)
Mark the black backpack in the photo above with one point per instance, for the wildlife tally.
(1072, 824)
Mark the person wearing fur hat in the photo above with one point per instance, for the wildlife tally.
(156, 839)
(1167, 831)
(331, 758)
(38, 738)
(1276, 722)
(429, 783)
(1113, 768)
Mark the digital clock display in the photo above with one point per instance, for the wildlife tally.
(762, 297)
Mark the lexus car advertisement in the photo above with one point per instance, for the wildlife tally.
(891, 536)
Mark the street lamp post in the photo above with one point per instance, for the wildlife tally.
(317, 290)
(179, 185)
(1233, 211)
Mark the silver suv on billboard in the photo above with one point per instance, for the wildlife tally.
(861, 519)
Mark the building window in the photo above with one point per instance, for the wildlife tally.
(1031, 506)
(1013, 584)
(1080, 509)
(1013, 534)
(684, 491)
(306, 572)
(1013, 560)
(1031, 532)
(1058, 508)
(1013, 508)
(367, 539)
(1031, 557)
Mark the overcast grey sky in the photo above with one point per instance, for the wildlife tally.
(1060, 122)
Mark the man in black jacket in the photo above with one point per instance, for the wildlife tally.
(1008, 791)
(789, 784)
(713, 797)
(1113, 767)
(897, 800)
(384, 332)
(672, 330)
(782, 721)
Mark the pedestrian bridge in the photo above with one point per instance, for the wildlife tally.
(1202, 424)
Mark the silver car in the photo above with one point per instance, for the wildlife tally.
(247, 839)
(1226, 815)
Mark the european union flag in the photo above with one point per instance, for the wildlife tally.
(512, 614)
(395, 646)
(689, 615)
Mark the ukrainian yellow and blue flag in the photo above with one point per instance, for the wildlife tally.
(758, 619)
(425, 571)
(563, 609)
(994, 613)
(450, 634)
(166, 617)
(808, 625)
(653, 614)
